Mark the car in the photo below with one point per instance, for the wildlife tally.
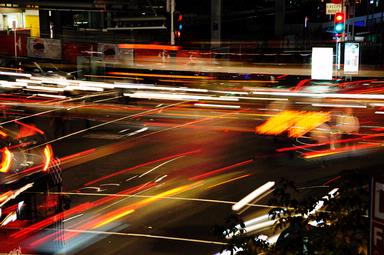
(29, 173)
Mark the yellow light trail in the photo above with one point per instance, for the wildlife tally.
(228, 181)
(126, 210)
(160, 75)
(116, 217)
(78, 231)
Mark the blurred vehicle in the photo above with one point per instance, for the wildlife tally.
(28, 175)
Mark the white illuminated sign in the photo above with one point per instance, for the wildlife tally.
(351, 58)
(322, 63)
(333, 8)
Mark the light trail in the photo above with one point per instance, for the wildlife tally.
(105, 123)
(323, 153)
(75, 210)
(220, 170)
(159, 75)
(297, 147)
(53, 110)
(119, 213)
(160, 165)
(73, 217)
(215, 201)
(230, 180)
(138, 166)
(109, 149)
(143, 235)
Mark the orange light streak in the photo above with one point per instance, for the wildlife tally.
(30, 127)
(48, 155)
(112, 77)
(322, 153)
(76, 155)
(159, 75)
(307, 122)
(297, 123)
(75, 210)
(6, 160)
(113, 218)
(3, 134)
(293, 148)
(277, 124)
(5, 196)
(230, 180)
(119, 213)
(149, 47)
(214, 172)
(48, 221)
(126, 210)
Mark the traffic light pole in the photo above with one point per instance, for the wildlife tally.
(172, 11)
(338, 55)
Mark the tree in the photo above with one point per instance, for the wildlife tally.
(342, 223)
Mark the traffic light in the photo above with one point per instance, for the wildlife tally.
(178, 25)
(339, 23)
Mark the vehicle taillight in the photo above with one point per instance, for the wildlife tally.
(5, 196)
(48, 155)
(5, 160)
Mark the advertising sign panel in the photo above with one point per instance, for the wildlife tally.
(322, 63)
(351, 58)
(44, 48)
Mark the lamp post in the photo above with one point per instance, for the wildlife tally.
(172, 11)
(15, 39)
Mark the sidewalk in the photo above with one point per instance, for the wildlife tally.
(224, 66)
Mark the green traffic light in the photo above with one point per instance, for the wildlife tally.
(339, 28)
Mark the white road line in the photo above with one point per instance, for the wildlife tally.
(104, 124)
(137, 131)
(97, 189)
(169, 198)
(73, 217)
(131, 178)
(144, 235)
(158, 166)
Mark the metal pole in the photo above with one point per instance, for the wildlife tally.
(172, 11)
(15, 39)
(339, 60)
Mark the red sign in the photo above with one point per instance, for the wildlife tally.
(336, 1)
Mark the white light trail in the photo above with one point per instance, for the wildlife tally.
(253, 195)
(160, 165)
(137, 131)
(51, 96)
(339, 105)
(73, 217)
(318, 95)
(15, 74)
(44, 88)
(182, 97)
(218, 106)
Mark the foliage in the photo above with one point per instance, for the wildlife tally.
(342, 222)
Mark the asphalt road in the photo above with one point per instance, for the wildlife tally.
(155, 177)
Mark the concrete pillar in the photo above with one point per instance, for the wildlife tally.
(279, 17)
(44, 23)
(216, 12)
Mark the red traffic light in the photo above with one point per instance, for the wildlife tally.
(339, 17)
(180, 18)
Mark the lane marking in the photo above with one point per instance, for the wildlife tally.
(144, 235)
(169, 198)
(73, 217)
(160, 165)
(107, 123)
